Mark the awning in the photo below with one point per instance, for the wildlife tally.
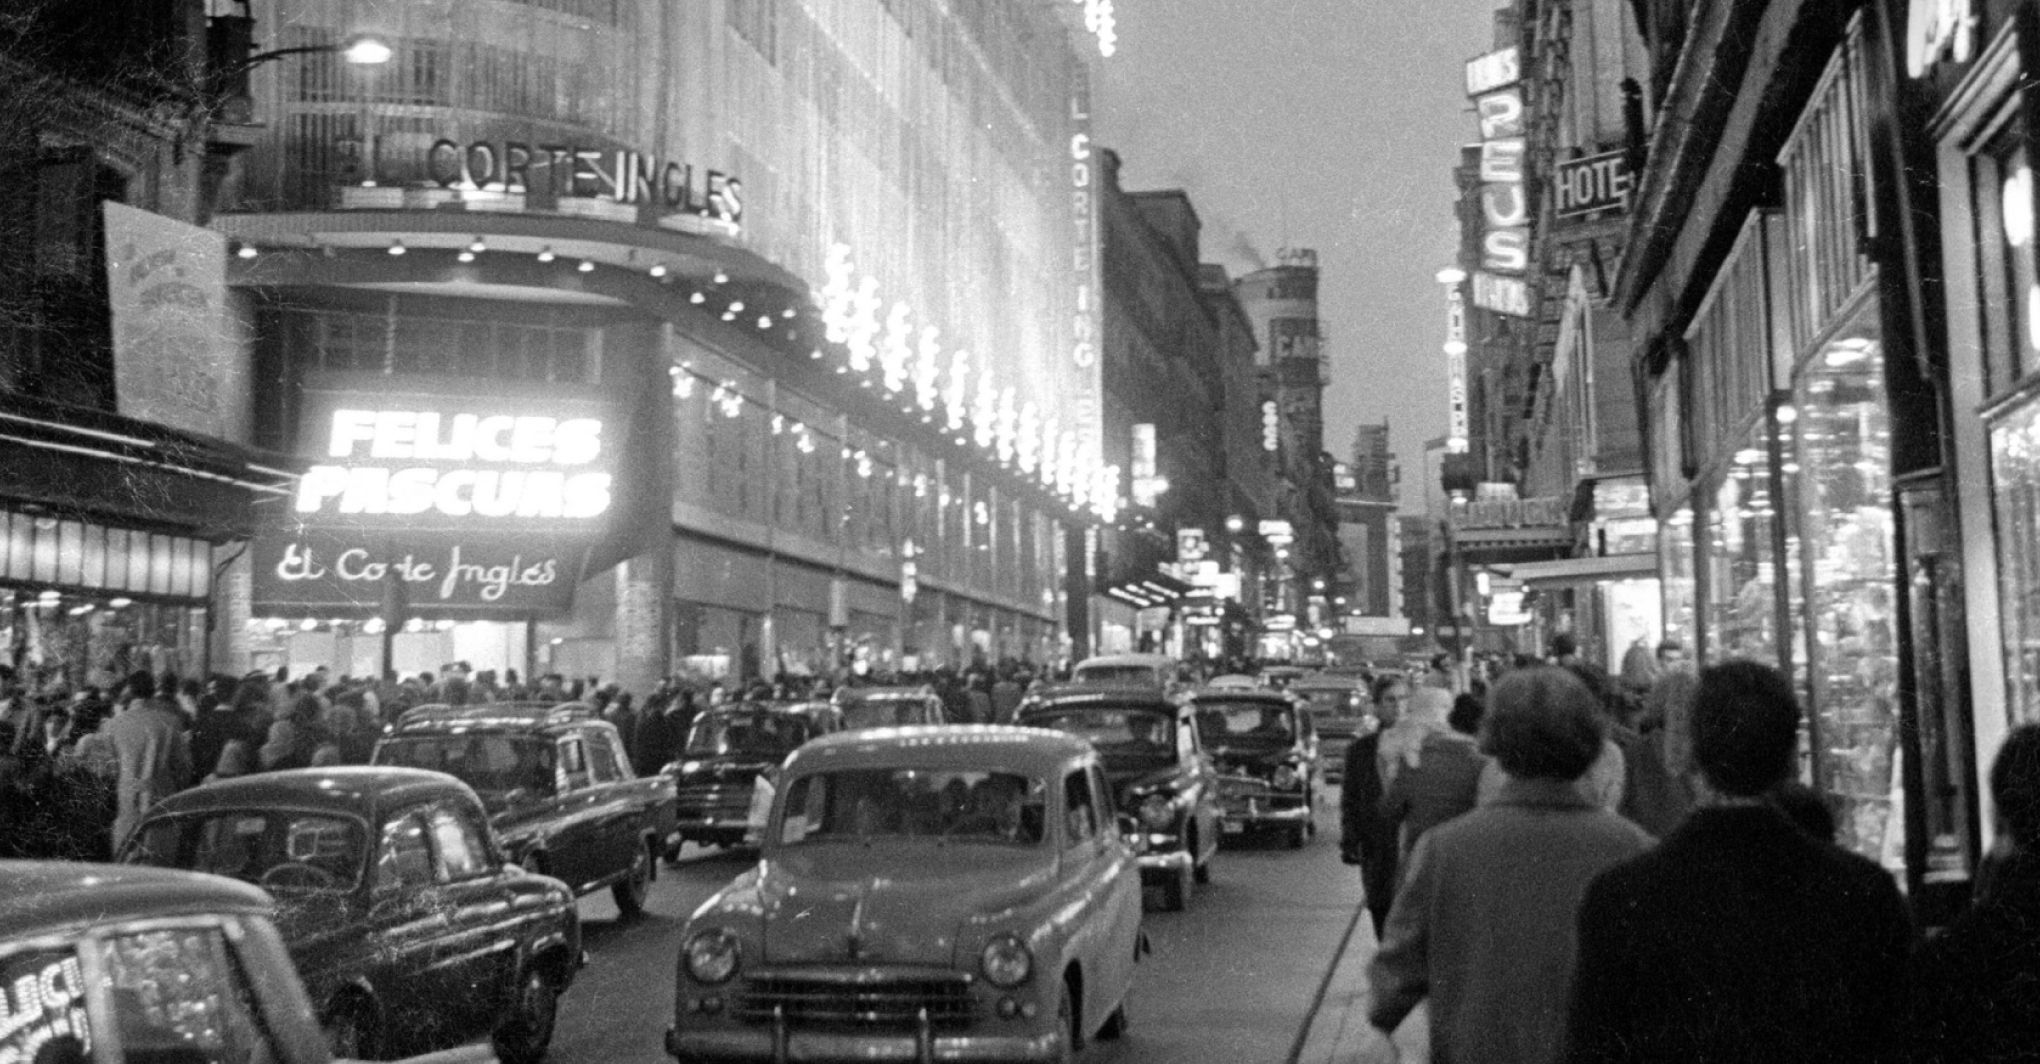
(1585, 570)
(1149, 589)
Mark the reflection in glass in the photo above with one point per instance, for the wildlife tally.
(2015, 486)
(1742, 605)
(1843, 451)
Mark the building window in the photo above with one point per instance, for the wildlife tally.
(2002, 206)
(57, 342)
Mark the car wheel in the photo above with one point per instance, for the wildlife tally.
(630, 893)
(1115, 1024)
(351, 1031)
(528, 1030)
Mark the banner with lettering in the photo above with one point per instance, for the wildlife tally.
(337, 573)
(42, 1001)
(172, 352)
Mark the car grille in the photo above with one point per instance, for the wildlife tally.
(863, 1000)
(729, 799)
(1242, 787)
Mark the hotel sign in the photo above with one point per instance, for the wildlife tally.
(1587, 186)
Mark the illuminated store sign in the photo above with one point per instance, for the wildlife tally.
(1503, 295)
(1101, 22)
(1086, 395)
(572, 171)
(1455, 370)
(42, 999)
(1494, 70)
(1504, 236)
(402, 462)
(449, 503)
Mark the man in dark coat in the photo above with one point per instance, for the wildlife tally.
(1974, 985)
(1741, 937)
(1367, 836)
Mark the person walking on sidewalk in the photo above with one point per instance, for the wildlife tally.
(151, 749)
(1483, 925)
(1367, 837)
(1741, 938)
(1974, 984)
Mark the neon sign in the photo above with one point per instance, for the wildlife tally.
(546, 456)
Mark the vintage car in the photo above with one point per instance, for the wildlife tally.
(179, 968)
(889, 707)
(1338, 705)
(409, 929)
(559, 790)
(728, 750)
(1264, 745)
(1159, 773)
(956, 893)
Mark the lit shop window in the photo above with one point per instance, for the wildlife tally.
(2015, 485)
(1742, 572)
(2009, 286)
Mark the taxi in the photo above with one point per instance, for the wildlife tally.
(955, 893)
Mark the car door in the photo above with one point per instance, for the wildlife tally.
(1089, 874)
(575, 847)
(613, 800)
(478, 955)
(408, 917)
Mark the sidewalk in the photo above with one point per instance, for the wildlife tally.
(1337, 1028)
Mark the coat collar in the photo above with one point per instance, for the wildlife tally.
(1542, 794)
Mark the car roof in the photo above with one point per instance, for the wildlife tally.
(804, 709)
(876, 694)
(43, 897)
(1031, 751)
(498, 716)
(1063, 696)
(1240, 694)
(1149, 660)
(360, 790)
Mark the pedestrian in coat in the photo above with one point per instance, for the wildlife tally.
(1973, 985)
(1367, 836)
(152, 750)
(1741, 938)
(1444, 782)
(1483, 924)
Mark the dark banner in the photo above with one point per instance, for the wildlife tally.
(347, 574)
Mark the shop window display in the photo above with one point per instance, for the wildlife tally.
(1742, 567)
(1846, 533)
(1675, 566)
(2015, 488)
(66, 642)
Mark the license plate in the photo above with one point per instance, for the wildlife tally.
(1231, 827)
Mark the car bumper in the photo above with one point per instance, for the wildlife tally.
(778, 1044)
(1165, 861)
(1235, 819)
(712, 822)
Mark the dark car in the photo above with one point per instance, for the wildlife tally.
(1264, 744)
(1338, 704)
(1159, 772)
(559, 790)
(410, 930)
(889, 707)
(186, 968)
(728, 748)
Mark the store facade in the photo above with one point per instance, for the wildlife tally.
(1799, 527)
(839, 443)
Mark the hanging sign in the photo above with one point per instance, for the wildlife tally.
(1590, 185)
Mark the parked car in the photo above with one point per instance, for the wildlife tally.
(1264, 745)
(559, 790)
(957, 893)
(1155, 670)
(730, 752)
(187, 969)
(1159, 772)
(409, 928)
(1338, 705)
(886, 707)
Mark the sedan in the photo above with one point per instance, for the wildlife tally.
(957, 893)
(409, 928)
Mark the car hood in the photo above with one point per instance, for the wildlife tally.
(887, 903)
(730, 767)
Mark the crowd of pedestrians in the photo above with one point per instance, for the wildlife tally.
(79, 768)
(1568, 866)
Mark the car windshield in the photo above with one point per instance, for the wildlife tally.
(762, 734)
(883, 713)
(1117, 674)
(1114, 731)
(1238, 723)
(491, 763)
(279, 850)
(955, 805)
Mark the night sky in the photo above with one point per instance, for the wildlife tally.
(1331, 124)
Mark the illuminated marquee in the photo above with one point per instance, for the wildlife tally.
(496, 465)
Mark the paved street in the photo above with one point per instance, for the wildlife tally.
(1231, 981)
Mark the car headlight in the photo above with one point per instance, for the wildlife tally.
(712, 956)
(1006, 961)
(1157, 812)
(1286, 778)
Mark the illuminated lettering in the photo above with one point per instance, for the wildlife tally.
(1493, 71)
(1500, 114)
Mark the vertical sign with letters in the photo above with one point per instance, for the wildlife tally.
(1493, 81)
(1087, 390)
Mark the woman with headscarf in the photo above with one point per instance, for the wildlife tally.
(1402, 743)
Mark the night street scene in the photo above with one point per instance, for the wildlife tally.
(1123, 531)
